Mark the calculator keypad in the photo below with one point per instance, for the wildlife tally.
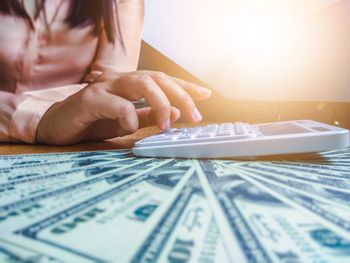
(201, 134)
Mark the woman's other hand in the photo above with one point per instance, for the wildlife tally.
(104, 109)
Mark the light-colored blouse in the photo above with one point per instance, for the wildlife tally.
(43, 63)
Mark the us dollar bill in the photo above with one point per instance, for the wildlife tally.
(331, 165)
(8, 161)
(27, 172)
(53, 179)
(100, 228)
(326, 173)
(257, 224)
(36, 185)
(28, 210)
(298, 166)
(11, 253)
(338, 161)
(327, 180)
(315, 188)
(338, 151)
(336, 165)
(333, 217)
(183, 231)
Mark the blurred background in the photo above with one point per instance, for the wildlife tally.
(265, 61)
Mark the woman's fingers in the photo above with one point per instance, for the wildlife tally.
(134, 86)
(97, 104)
(104, 109)
(160, 92)
(179, 97)
(107, 129)
(175, 114)
(195, 91)
(157, 100)
(147, 116)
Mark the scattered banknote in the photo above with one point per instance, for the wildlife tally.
(10, 252)
(341, 183)
(308, 169)
(314, 188)
(29, 209)
(264, 227)
(47, 180)
(183, 231)
(117, 214)
(109, 206)
(334, 217)
(11, 161)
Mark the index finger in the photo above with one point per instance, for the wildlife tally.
(196, 91)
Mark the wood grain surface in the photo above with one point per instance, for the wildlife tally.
(116, 143)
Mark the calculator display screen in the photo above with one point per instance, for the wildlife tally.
(281, 129)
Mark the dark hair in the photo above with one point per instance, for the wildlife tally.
(103, 14)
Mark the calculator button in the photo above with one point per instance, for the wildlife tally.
(204, 135)
(201, 134)
(189, 140)
(223, 133)
(184, 137)
(159, 139)
(193, 130)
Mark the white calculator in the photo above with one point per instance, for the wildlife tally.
(244, 140)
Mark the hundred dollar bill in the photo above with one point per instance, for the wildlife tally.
(22, 173)
(8, 161)
(333, 217)
(262, 227)
(344, 163)
(336, 182)
(318, 190)
(341, 165)
(343, 156)
(30, 171)
(345, 151)
(321, 160)
(34, 173)
(184, 231)
(100, 228)
(50, 179)
(345, 167)
(316, 171)
(26, 211)
(11, 253)
(336, 170)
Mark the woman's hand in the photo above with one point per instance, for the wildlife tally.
(104, 109)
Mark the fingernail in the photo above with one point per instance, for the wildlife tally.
(165, 125)
(197, 116)
(205, 92)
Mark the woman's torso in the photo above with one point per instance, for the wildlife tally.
(50, 55)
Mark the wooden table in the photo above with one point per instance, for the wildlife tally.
(117, 143)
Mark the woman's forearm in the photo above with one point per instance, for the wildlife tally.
(123, 55)
(20, 114)
(131, 16)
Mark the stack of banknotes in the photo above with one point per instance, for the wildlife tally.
(109, 206)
